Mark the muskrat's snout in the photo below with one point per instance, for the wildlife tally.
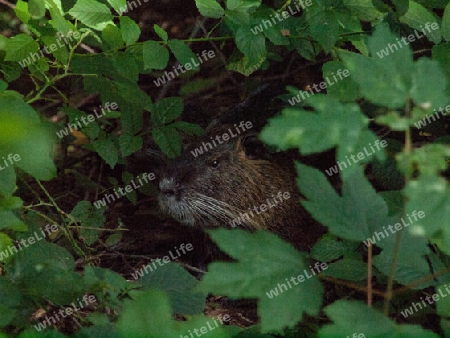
(170, 188)
(172, 199)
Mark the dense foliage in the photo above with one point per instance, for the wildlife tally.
(393, 54)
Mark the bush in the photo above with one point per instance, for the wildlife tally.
(381, 104)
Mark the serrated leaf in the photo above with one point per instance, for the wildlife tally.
(355, 215)
(90, 218)
(329, 249)
(92, 13)
(428, 71)
(246, 279)
(188, 128)
(347, 269)
(130, 30)
(252, 46)
(112, 35)
(21, 11)
(240, 63)
(161, 32)
(36, 8)
(333, 124)
(394, 121)
(21, 126)
(324, 27)
(210, 8)
(129, 144)
(178, 284)
(378, 80)
(58, 20)
(445, 26)
(155, 56)
(364, 9)
(343, 87)
(183, 53)
(349, 317)
(7, 182)
(436, 207)
(168, 139)
(167, 110)
(147, 315)
(61, 53)
(418, 17)
(20, 47)
(11, 221)
(106, 149)
(118, 5)
(242, 5)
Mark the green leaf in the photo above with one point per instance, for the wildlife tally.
(445, 28)
(324, 27)
(167, 110)
(436, 208)
(245, 278)
(58, 20)
(251, 45)
(5, 243)
(379, 80)
(343, 87)
(383, 44)
(155, 56)
(92, 13)
(91, 218)
(20, 47)
(240, 63)
(419, 18)
(329, 249)
(36, 8)
(112, 35)
(351, 317)
(394, 121)
(168, 139)
(61, 53)
(364, 9)
(428, 71)
(178, 284)
(347, 269)
(333, 124)
(118, 5)
(210, 8)
(7, 182)
(161, 32)
(242, 5)
(129, 144)
(21, 11)
(11, 221)
(354, 216)
(106, 149)
(147, 315)
(21, 126)
(130, 30)
(239, 11)
(188, 128)
(183, 53)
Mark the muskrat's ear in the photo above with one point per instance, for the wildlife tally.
(254, 148)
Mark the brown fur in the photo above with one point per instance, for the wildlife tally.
(197, 191)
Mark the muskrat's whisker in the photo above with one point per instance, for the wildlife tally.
(221, 210)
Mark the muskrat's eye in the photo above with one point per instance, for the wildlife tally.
(215, 164)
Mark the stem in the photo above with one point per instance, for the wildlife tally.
(369, 275)
(67, 233)
(398, 234)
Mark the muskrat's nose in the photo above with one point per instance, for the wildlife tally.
(169, 187)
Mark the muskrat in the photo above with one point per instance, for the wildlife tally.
(236, 182)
